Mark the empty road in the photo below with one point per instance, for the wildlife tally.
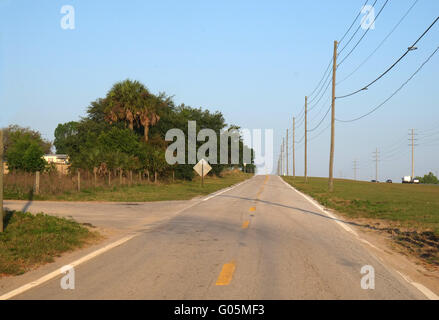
(259, 240)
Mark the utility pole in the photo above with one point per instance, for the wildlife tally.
(283, 156)
(1, 180)
(413, 152)
(278, 166)
(331, 154)
(306, 139)
(355, 169)
(286, 149)
(294, 146)
(377, 159)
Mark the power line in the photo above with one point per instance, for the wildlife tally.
(411, 48)
(328, 68)
(321, 121)
(381, 44)
(394, 93)
(322, 95)
(353, 23)
(320, 133)
(356, 31)
(324, 75)
(364, 34)
(321, 109)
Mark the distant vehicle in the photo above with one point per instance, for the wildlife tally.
(389, 181)
(407, 179)
(374, 181)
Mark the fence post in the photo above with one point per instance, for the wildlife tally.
(37, 182)
(79, 181)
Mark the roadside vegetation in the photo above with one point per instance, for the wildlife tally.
(123, 134)
(32, 240)
(410, 213)
(124, 190)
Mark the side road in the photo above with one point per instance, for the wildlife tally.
(114, 220)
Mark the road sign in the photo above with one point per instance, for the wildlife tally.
(202, 168)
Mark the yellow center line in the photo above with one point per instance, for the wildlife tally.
(226, 274)
(245, 224)
(258, 195)
(252, 209)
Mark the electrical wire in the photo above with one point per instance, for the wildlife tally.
(328, 68)
(320, 133)
(411, 48)
(394, 93)
(321, 121)
(364, 34)
(381, 44)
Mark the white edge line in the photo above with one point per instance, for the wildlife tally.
(57, 272)
(425, 291)
(321, 208)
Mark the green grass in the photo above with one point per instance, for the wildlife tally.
(180, 190)
(31, 240)
(409, 213)
(411, 206)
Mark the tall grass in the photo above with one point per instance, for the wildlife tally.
(22, 185)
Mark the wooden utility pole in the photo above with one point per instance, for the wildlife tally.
(355, 169)
(331, 153)
(286, 149)
(377, 159)
(1, 180)
(294, 146)
(306, 139)
(283, 155)
(413, 153)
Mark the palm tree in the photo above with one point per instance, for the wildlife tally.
(131, 101)
(124, 100)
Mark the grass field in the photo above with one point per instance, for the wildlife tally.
(412, 208)
(31, 240)
(180, 190)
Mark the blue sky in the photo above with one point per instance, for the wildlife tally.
(252, 60)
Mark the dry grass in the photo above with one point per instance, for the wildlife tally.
(64, 188)
(31, 240)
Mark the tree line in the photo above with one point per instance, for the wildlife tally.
(121, 132)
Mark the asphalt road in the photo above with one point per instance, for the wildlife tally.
(260, 240)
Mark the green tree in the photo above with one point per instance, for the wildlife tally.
(63, 133)
(131, 102)
(25, 155)
(14, 133)
(429, 179)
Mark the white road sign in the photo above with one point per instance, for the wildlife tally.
(202, 167)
